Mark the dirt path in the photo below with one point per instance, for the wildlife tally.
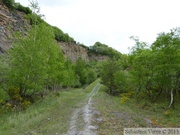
(83, 119)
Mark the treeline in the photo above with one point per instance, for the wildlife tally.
(103, 49)
(12, 5)
(149, 72)
(36, 64)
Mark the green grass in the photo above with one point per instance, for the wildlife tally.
(157, 113)
(50, 115)
(117, 116)
(89, 88)
(112, 114)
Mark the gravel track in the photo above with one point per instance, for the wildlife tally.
(83, 119)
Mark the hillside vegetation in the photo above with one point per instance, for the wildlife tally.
(36, 63)
(35, 67)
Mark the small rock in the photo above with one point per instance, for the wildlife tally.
(99, 119)
(93, 127)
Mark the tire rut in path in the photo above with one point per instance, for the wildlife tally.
(82, 118)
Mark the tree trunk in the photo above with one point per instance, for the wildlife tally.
(172, 98)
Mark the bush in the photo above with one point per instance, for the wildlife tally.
(9, 3)
(126, 97)
(35, 19)
(26, 10)
(167, 113)
(61, 36)
(103, 49)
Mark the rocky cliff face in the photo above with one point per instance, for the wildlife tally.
(14, 21)
(10, 22)
(73, 51)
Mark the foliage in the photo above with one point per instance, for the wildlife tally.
(156, 69)
(120, 81)
(35, 19)
(61, 36)
(124, 99)
(9, 3)
(85, 72)
(90, 74)
(153, 73)
(103, 49)
(116, 77)
(167, 112)
(82, 45)
(109, 69)
(69, 75)
(79, 67)
(26, 10)
(34, 63)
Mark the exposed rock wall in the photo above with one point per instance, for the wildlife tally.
(98, 57)
(74, 51)
(10, 22)
(14, 21)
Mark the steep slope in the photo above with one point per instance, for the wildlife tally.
(12, 21)
(73, 51)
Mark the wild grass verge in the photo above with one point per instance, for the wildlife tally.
(47, 116)
(50, 115)
(131, 114)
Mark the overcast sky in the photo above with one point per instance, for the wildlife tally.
(111, 22)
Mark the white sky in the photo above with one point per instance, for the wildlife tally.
(111, 22)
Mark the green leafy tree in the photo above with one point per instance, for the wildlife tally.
(109, 69)
(167, 48)
(20, 7)
(34, 65)
(61, 36)
(90, 74)
(70, 80)
(143, 72)
(80, 65)
(121, 81)
(103, 49)
(155, 70)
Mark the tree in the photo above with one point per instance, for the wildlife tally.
(167, 48)
(156, 69)
(143, 72)
(61, 36)
(69, 75)
(90, 75)
(103, 49)
(109, 69)
(80, 65)
(34, 65)
(121, 81)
